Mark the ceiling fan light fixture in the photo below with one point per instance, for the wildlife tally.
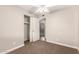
(42, 10)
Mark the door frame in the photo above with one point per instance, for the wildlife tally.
(44, 29)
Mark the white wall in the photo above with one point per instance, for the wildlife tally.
(11, 27)
(61, 26)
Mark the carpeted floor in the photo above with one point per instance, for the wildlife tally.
(42, 47)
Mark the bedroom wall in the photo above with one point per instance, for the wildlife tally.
(62, 26)
(11, 27)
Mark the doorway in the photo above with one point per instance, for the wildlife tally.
(26, 29)
(42, 29)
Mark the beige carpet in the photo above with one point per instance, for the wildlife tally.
(42, 47)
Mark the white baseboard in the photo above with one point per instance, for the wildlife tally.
(7, 51)
(64, 45)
